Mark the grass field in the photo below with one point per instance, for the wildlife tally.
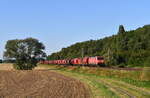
(107, 85)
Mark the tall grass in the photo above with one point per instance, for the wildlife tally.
(138, 78)
(140, 75)
(145, 75)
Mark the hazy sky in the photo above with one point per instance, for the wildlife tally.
(60, 23)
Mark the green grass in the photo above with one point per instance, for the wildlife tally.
(144, 84)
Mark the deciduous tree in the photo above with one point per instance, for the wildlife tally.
(26, 52)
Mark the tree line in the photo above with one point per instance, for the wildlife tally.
(126, 48)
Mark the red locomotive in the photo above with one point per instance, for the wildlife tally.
(96, 60)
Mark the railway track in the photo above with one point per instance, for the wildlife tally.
(123, 93)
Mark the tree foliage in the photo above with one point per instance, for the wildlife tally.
(126, 48)
(121, 29)
(1, 60)
(26, 52)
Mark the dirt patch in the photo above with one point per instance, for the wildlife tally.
(39, 84)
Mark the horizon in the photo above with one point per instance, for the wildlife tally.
(58, 24)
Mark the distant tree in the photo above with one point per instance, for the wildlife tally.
(122, 39)
(147, 62)
(110, 57)
(9, 60)
(1, 61)
(26, 52)
(121, 29)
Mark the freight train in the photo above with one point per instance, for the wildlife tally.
(86, 61)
